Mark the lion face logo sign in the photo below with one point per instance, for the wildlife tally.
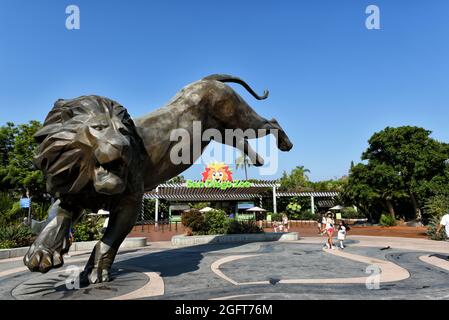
(218, 172)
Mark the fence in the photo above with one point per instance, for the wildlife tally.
(161, 225)
(292, 223)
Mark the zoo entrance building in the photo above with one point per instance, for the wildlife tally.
(233, 199)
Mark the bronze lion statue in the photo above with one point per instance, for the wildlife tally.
(94, 156)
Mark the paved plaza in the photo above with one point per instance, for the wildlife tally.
(369, 268)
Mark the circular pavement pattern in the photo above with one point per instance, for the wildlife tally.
(269, 270)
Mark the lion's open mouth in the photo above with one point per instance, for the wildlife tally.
(110, 177)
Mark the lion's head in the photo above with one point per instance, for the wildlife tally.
(217, 172)
(87, 141)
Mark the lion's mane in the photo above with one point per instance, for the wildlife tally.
(67, 162)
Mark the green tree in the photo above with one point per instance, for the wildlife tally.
(437, 206)
(294, 209)
(149, 209)
(403, 163)
(7, 136)
(18, 171)
(359, 191)
(296, 180)
(329, 185)
(410, 153)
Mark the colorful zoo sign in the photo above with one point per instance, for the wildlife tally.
(217, 175)
(217, 171)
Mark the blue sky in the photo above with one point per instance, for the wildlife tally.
(333, 83)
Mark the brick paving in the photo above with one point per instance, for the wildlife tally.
(165, 233)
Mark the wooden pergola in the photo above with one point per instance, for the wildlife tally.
(258, 189)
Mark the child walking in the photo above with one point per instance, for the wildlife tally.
(342, 230)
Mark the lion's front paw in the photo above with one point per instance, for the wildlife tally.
(39, 258)
(95, 275)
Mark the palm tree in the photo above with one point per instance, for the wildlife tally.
(243, 162)
(177, 179)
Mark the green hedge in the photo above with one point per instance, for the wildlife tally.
(88, 229)
(387, 220)
(351, 213)
(15, 236)
(216, 222)
(238, 227)
(432, 228)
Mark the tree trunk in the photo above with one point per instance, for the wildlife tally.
(390, 208)
(418, 215)
(246, 172)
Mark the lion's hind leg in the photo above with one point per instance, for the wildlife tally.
(122, 219)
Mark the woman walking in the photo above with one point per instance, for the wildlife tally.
(330, 230)
(321, 223)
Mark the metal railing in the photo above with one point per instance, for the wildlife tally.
(291, 223)
(160, 225)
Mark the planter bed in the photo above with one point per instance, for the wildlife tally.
(129, 243)
(182, 240)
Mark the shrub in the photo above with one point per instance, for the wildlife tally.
(293, 208)
(233, 226)
(11, 214)
(216, 221)
(40, 210)
(149, 209)
(351, 213)
(437, 206)
(295, 216)
(432, 228)
(236, 227)
(387, 220)
(88, 229)
(308, 215)
(16, 236)
(6, 202)
(194, 220)
(199, 205)
(276, 217)
(7, 244)
(304, 215)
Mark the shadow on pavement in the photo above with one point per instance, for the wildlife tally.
(441, 256)
(173, 262)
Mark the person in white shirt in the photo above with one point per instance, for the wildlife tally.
(321, 222)
(323, 225)
(285, 222)
(342, 230)
(444, 223)
(330, 230)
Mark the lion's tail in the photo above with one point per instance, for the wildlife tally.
(229, 78)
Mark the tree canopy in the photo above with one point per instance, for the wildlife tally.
(401, 164)
(17, 149)
(298, 180)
